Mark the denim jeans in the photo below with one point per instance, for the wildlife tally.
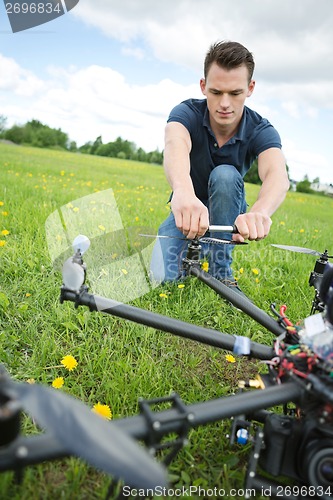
(226, 201)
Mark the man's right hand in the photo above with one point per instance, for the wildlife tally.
(191, 215)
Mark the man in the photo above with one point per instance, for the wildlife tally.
(210, 144)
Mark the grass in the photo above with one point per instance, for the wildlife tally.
(118, 361)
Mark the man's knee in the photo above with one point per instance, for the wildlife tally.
(225, 181)
(225, 176)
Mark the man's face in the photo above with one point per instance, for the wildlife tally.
(226, 92)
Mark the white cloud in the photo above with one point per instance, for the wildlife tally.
(21, 81)
(292, 41)
(97, 101)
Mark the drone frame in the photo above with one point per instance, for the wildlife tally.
(151, 426)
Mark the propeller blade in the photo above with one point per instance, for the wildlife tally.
(208, 239)
(87, 435)
(204, 239)
(297, 249)
(164, 236)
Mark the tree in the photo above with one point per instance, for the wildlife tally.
(15, 134)
(252, 175)
(85, 148)
(3, 121)
(304, 186)
(98, 142)
(72, 147)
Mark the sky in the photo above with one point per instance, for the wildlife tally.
(115, 68)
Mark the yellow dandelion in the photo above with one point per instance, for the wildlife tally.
(290, 230)
(230, 358)
(124, 271)
(257, 280)
(163, 295)
(2, 243)
(69, 362)
(102, 228)
(30, 381)
(255, 271)
(137, 219)
(301, 230)
(205, 266)
(5, 232)
(282, 223)
(102, 410)
(28, 294)
(62, 173)
(4, 213)
(76, 209)
(241, 270)
(1, 203)
(181, 285)
(58, 382)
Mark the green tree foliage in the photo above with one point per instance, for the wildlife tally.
(37, 134)
(123, 149)
(252, 175)
(304, 186)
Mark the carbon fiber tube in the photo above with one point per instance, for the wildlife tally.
(242, 303)
(31, 450)
(212, 411)
(164, 323)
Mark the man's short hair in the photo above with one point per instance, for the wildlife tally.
(229, 55)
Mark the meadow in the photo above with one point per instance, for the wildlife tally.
(119, 361)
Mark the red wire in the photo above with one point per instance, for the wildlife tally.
(285, 319)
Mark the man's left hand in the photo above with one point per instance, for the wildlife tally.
(252, 226)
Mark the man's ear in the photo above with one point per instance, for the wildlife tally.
(251, 88)
(203, 86)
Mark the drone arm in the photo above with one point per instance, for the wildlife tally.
(26, 451)
(210, 411)
(245, 305)
(160, 322)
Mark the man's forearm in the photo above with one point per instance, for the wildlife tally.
(272, 193)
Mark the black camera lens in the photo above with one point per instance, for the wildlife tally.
(326, 470)
(320, 467)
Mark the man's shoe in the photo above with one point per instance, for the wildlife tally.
(233, 285)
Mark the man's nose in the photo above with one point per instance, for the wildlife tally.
(224, 101)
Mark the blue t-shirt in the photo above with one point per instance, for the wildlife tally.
(254, 135)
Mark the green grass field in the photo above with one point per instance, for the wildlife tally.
(119, 361)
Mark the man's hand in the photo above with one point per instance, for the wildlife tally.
(252, 226)
(191, 215)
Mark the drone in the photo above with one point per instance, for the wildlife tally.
(295, 443)
(285, 415)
